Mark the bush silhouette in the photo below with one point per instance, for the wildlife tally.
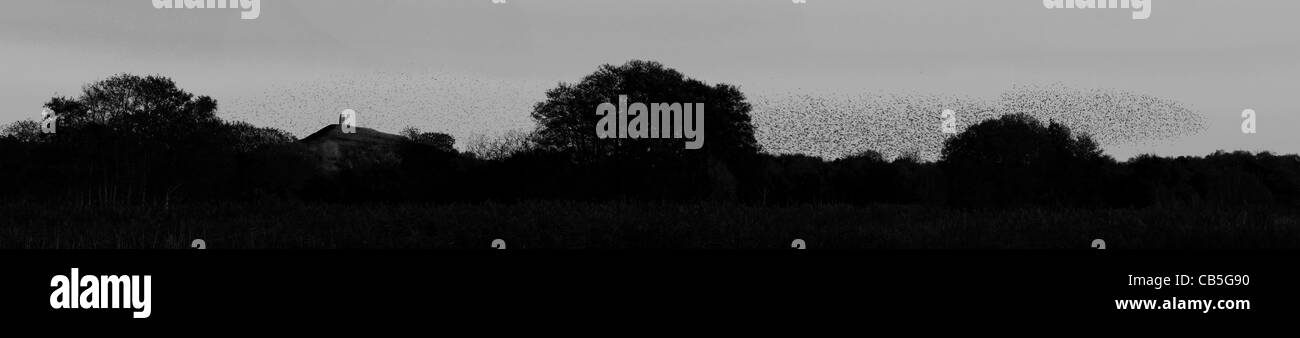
(1015, 160)
(130, 139)
(650, 168)
(438, 141)
(566, 119)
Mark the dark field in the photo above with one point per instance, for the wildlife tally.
(546, 225)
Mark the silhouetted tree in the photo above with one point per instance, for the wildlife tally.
(245, 137)
(439, 141)
(1015, 160)
(500, 147)
(148, 108)
(566, 120)
(129, 138)
(650, 167)
(26, 131)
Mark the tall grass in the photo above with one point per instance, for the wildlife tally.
(561, 224)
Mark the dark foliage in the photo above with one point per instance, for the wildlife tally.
(140, 140)
(566, 119)
(659, 169)
(439, 141)
(131, 139)
(1015, 160)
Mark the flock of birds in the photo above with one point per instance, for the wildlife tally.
(835, 126)
(824, 125)
(460, 105)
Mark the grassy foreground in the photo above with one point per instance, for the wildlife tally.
(550, 224)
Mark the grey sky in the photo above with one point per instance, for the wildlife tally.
(485, 64)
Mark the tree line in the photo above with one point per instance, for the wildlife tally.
(141, 140)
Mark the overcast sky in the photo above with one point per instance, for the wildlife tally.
(479, 66)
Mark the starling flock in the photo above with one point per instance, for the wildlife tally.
(824, 125)
(459, 105)
(835, 126)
